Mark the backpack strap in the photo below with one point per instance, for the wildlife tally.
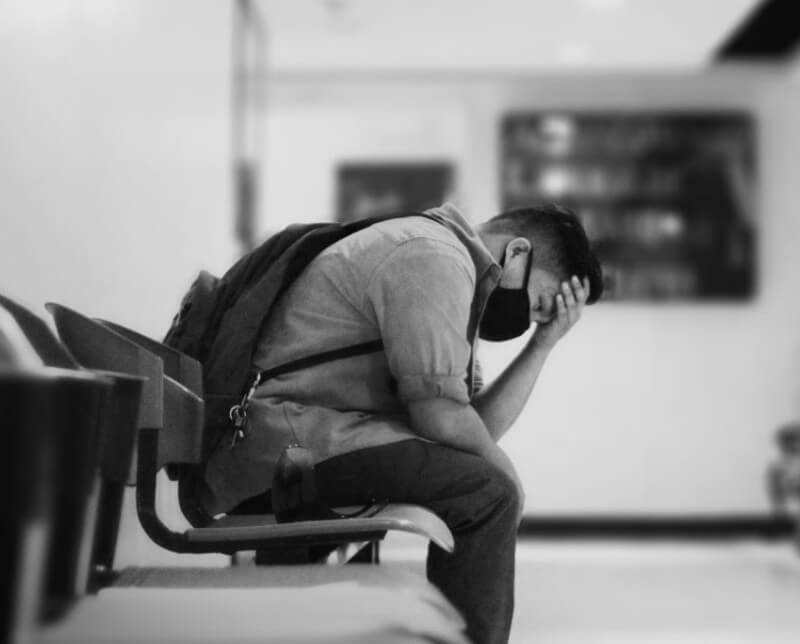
(320, 358)
(238, 413)
(309, 245)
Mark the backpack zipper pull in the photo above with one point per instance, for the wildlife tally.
(238, 413)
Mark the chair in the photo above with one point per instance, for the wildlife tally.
(22, 469)
(188, 372)
(39, 335)
(178, 366)
(171, 434)
(48, 459)
(115, 440)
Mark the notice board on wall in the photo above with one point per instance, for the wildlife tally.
(667, 199)
(366, 189)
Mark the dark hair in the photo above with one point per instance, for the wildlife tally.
(566, 246)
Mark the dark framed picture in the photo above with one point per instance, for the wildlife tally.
(666, 198)
(366, 189)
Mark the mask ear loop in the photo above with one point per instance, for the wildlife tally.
(528, 271)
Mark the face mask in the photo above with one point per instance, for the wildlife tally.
(508, 312)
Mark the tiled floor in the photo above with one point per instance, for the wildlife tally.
(601, 592)
(705, 594)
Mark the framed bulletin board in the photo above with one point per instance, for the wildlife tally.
(666, 198)
(373, 188)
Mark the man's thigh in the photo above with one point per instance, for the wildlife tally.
(457, 485)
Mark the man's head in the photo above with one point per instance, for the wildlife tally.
(540, 247)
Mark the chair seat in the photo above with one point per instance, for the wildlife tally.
(264, 528)
(345, 613)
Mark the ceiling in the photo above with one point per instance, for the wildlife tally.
(497, 35)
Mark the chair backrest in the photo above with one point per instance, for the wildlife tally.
(167, 405)
(23, 469)
(177, 365)
(184, 417)
(183, 421)
(118, 436)
(97, 347)
(47, 464)
(81, 404)
(15, 349)
(116, 440)
(172, 417)
(52, 352)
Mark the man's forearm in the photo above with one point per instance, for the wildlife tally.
(500, 403)
(450, 423)
(458, 425)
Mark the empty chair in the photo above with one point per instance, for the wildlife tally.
(52, 352)
(15, 348)
(178, 366)
(188, 372)
(48, 458)
(114, 441)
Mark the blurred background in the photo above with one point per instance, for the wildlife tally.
(142, 141)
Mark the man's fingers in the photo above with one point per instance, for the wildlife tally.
(580, 293)
(561, 307)
(569, 296)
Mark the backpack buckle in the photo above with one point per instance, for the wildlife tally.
(238, 416)
(238, 413)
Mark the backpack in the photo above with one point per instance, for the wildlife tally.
(220, 321)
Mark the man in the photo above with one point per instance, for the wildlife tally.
(408, 424)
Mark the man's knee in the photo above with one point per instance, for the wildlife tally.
(509, 495)
(487, 494)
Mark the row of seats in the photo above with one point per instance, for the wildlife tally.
(109, 408)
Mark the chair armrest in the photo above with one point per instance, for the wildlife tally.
(263, 529)
(178, 366)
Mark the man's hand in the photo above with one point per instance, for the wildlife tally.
(569, 306)
(458, 425)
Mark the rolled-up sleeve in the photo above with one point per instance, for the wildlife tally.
(421, 295)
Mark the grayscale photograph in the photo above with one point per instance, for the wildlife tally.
(396, 322)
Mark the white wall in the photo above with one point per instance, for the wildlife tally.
(644, 408)
(114, 153)
(114, 164)
(114, 190)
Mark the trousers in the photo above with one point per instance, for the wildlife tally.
(478, 502)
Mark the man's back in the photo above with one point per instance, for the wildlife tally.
(409, 282)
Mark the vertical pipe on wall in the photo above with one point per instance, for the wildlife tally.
(247, 104)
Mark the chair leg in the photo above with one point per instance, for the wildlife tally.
(106, 533)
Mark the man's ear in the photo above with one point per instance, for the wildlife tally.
(515, 263)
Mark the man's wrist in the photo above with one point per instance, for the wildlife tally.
(538, 344)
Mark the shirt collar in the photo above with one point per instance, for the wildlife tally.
(485, 265)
